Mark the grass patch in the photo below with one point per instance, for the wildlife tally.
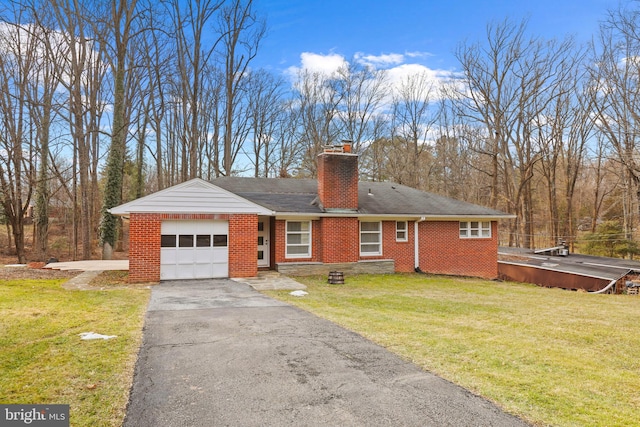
(552, 357)
(111, 278)
(43, 360)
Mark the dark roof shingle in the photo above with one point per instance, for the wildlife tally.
(290, 195)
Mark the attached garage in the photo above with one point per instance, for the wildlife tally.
(193, 230)
(194, 249)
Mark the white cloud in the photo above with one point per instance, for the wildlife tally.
(395, 63)
(398, 68)
(436, 79)
(383, 60)
(402, 72)
(317, 63)
(418, 54)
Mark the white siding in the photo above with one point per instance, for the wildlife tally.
(194, 196)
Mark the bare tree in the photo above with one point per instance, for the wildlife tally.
(42, 109)
(455, 166)
(264, 99)
(289, 149)
(118, 31)
(193, 57)
(156, 60)
(363, 91)
(80, 76)
(18, 61)
(413, 119)
(510, 82)
(241, 31)
(317, 101)
(616, 87)
(574, 153)
(562, 131)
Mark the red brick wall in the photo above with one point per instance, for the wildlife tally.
(144, 247)
(442, 251)
(340, 240)
(144, 243)
(401, 252)
(338, 180)
(243, 249)
(336, 240)
(333, 240)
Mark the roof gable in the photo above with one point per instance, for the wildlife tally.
(194, 196)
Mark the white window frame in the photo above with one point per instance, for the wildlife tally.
(405, 231)
(475, 229)
(378, 232)
(287, 244)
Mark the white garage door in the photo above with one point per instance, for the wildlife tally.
(194, 250)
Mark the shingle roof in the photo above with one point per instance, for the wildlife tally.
(300, 196)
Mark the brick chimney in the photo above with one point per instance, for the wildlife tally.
(338, 178)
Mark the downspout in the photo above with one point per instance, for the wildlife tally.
(611, 284)
(416, 242)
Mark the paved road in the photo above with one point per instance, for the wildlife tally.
(218, 353)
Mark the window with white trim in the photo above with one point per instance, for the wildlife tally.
(298, 240)
(401, 231)
(370, 238)
(475, 229)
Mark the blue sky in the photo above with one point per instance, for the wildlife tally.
(320, 32)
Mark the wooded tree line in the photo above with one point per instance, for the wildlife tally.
(105, 101)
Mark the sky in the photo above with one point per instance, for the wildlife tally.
(405, 35)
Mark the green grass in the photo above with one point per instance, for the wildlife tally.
(553, 357)
(43, 360)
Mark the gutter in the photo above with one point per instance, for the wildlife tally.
(403, 216)
(416, 242)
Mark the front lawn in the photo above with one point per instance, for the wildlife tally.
(552, 357)
(43, 360)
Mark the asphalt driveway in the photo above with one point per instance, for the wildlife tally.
(218, 353)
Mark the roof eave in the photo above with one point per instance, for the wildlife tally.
(411, 216)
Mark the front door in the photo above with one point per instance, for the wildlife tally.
(263, 242)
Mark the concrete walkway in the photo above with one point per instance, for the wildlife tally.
(219, 353)
(90, 265)
(90, 269)
(271, 281)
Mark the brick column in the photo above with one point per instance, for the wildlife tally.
(144, 247)
(243, 245)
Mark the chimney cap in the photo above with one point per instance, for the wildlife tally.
(345, 147)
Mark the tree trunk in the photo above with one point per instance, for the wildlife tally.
(9, 240)
(115, 165)
(159, 148)
(122, 15)
(42, 191)
(17, 225)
